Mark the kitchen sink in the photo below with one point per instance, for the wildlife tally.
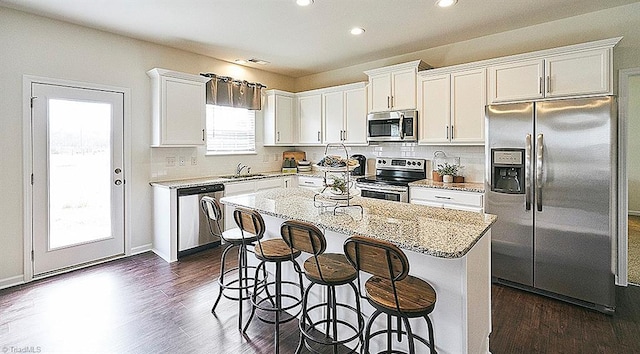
(246, 175)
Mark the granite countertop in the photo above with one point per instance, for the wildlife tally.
(466, 187)
(203, 181)
(438, 232)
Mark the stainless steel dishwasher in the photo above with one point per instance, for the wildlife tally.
(193, 226)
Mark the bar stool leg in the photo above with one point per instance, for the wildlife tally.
(240, 278)
(303, 318)
(412, 347)
(367, 335)
(278, 306)
(221, 278)
(432, 346)
(389, 333)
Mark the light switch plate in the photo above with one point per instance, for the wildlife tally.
(194, 160)
(171, 161)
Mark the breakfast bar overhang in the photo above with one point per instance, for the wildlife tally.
(450, 249)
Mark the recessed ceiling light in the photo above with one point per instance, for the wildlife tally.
(240, 61)
(446, 3)
(357, 31)
(304, 2)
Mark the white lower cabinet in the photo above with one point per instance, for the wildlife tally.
(445, 198)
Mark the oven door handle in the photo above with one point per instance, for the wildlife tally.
(382, 189)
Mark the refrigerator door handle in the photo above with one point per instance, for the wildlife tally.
(539, 171)
(527, 172)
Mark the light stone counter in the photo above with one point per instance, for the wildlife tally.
(438, 232)
(465, 187)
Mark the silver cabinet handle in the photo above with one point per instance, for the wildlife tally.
(451, 131)
(388, 101)
(527, 171)
(447, 132)
(344, 138)
(439, 197)
(278, 138)
(539, 170)
(548, 84)
(401, 124)
(541, 84)
(391, 101)
(318, 135)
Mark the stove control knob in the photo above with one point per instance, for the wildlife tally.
(384, 161)
(419, 163)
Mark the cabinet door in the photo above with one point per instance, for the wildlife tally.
(434, 109)
(579, 73)
(404, 90)
(284, 120)
(309, 119)
(380, 93)
(268, 183)
(516, 81)
(355, 115)
(333, 112)
(468, 99)
(183, 112)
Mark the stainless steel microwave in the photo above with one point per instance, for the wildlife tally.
(393, 126)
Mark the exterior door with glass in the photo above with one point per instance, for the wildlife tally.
(78, 178)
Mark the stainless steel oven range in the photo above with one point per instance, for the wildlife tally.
(392, 178)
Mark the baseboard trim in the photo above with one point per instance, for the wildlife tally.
(634, 212)
(141, 249)
(12, 281)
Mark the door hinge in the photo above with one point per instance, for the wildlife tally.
(33, 98)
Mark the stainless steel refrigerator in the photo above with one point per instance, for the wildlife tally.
(551, 180)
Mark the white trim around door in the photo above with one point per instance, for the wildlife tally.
(28, 80)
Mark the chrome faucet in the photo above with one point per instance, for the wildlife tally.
(241, 167)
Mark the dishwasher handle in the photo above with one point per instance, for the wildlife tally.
(210, 188)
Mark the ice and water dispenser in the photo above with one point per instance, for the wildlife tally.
(507, 171)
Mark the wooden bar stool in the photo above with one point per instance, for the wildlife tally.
(391, 290)
(239, 239)
(325, 269)
(274, 251)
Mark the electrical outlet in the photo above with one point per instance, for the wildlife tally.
(194, 160)
(182, 160)
(171, 161)
(265, 158)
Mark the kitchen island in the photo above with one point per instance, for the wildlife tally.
(448, 248)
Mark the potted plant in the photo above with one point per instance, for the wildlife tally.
(448, 172)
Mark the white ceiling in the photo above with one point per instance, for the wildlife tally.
(299, 41)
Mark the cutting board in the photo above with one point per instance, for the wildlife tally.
(296, 155)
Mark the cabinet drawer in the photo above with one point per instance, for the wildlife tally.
(238, 188)
(309, 182)
(268, 183)
(448, 198)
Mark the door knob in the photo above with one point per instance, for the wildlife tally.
(117, 171)
(118, 182)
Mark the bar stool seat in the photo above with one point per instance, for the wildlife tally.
(335, 269)
(275, 250)
(418, 297)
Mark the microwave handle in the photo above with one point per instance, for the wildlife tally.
(401, 125)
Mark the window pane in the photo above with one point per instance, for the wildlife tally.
(230, 129)
(79, 172)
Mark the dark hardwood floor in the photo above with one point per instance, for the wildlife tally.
(141, 304)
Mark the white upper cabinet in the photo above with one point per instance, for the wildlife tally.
(394, 87)
(345, 115)
(309, 119)
(178, 108)
(451, 107)
(580, 73)
(522, 80)
(278, 118)
(573, 71)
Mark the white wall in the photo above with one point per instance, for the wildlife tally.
(633, 145)
(38, 46)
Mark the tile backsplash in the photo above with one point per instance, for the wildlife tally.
(471, 157)
(180, 163)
